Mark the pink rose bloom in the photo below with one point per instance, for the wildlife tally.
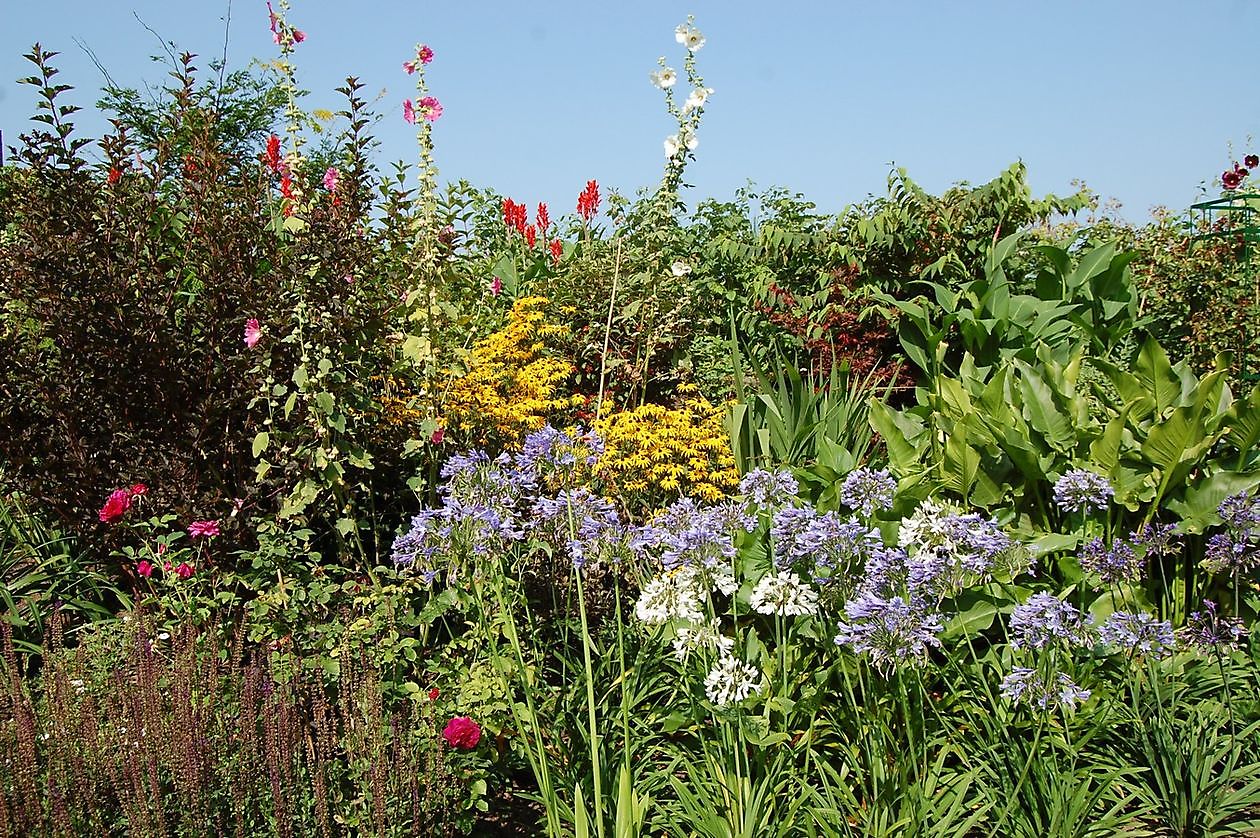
(438, 436)
(430, 108)
(203, 529)
(253, 332)
(462, 732)
(184, 571)
(409, 112)
(116, 506)
(330, 179)
(144, 568)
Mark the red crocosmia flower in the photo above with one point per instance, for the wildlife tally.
(1252, 161)
(462, 732)
(588, 201)
(409, 112)
(557, 250)
(184, 571)
(434, 693)
(116, 506)
(438, 436)
(145, 568)
(544, 218)
(253, 332)
(115, 175)
(531, 236)
(274, 161)
(203, 529)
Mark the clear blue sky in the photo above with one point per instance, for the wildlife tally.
(1141, 99)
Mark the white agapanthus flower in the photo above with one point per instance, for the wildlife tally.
(689, 36)
(783, 594)
(724, 580)
(704, 636)
(680, 268)
(730, 681)
(670, 596)
(697, 98)
(664, 78)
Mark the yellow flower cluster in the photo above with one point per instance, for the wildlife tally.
(510, 388)
(654, 454)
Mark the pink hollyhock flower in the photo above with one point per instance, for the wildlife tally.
(425, 54)
(116, 506)
(409, 67)
(1230, 180)
(330, 179)
(409, 112)
(496, 287)
(275, 23)
(203, 529)
(298, 36)
(462, 732)
(430, 108)
(139, 489)
(184, 571)
(253, 332)
(1252, 161)
(145, 568)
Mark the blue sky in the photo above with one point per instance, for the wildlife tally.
(1141, 99)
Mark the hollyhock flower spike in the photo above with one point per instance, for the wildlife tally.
(115, 507)
(203, 529)
(253, 332)
(430, 108)
(462, 733)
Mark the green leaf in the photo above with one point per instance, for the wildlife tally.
(261, 441)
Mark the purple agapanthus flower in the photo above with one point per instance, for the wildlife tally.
(1044, 619)
(769, 489)
(867, 490)
(1208, 631)
(892, 632)
(587, 525)
(1156, 539)
(1080, 491)
(1113, 564)
(1027, 686)
(1137, 633)
(686, 533)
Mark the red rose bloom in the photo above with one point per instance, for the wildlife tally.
(184, 571)
(434, 693)
(116, 507)
(462, 733)
(139, 489)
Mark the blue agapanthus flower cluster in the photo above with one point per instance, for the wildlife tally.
(769, 490)
(1156, 539)
(1081, 491)
(1114, 563)
(587, 524)
(1137, 633)
(1045, 619)
(867, 491)
(946, 550)
(821, 544)
(1028, 686)
(891, 631)
(686, 533)
(555, 457)
(1237, 549)
(1209, 631)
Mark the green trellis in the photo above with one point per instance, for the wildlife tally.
(1236, 217)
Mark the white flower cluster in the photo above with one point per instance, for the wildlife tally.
(730, 681)
(670, 596)
(783, 594)
(689, 36)
(704, 636)
(696, 99)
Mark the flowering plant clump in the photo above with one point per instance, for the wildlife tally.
(655, 454)
(512, 384)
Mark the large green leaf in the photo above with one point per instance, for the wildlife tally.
(1198, 506)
